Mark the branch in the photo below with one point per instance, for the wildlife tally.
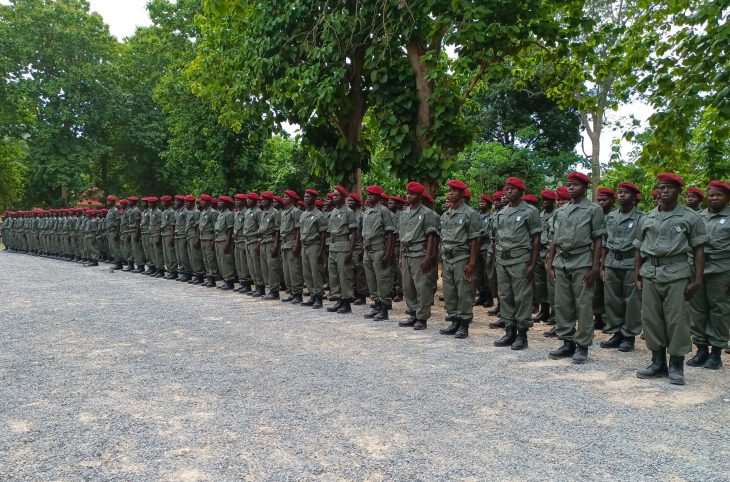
(473, 82)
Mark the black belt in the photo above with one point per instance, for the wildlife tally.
(335, 239)
(453, 253)
(514, 254)
(570, 254)
(667, 260)
(621, 255)
(716, 257)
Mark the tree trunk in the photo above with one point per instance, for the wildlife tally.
(424, 89)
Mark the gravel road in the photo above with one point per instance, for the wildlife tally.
(115, 376)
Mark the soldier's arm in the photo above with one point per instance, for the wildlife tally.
(549, 260)
(322, 244)
(591, 276)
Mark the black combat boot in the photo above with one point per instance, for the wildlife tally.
(614, 341)
(259, 292)
(676, 370)
(714, 361)
(199, 279)
(118, 265)
(565, 351)
(700, 357)
(627, 344)
(212, 283)
(129, 267)
(160, 273)
(420, 325)
(287, 299)
(550, 333)
(598, 321)
(581, 354)
(245, 288)
(345, 307)
(498, 324)
(309, 302)
(411, 321)
(658, 367)
(452, 328)
(273, 295)
(544, 313)
(521, 340)
(93, 262)
(359, 300)
(173, 275)
(495, 311)
(398, 298)
(317, 302)
(335, 307)
(381, 315)
(296, 299)
(227, 285)
(481, 299)
(374, 311)
(463, 331)
(510, 334)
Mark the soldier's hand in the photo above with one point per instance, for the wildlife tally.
(639, 285)
(320, 255)
(212, 245)
(691, 289)
(425, 265)
(274, 252)
(603, 274)
(296, 250)
(257, 251)
(384, 260)
(530, 273)
(196, 244)
(590, 278)
(469, 272)
(348, 257)
(551, 272)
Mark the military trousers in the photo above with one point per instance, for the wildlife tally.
(269, 266)
(239, 256)
(324, 267)
(124, 247)
(226, 261)
(279, 269)
(599, 304)
(540, 282)
(342, 275)
(361, 281)
(138, 250)
(157, 253)
(181, 251)
(515, 295)
(207, 247)
(486, 276)
(665, 316)
(146, 248)
(574, 302)
(623, 305)
(458, 291)
(312, 269)
(710, 311)
(379, 276)
(195, 255)
(417, 289)
(113, 246)
(254, 264)
(168, 251)
(397, 274)
(293, 276)
(93, 249)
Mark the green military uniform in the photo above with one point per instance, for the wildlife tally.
(622, 302)
(244, 276)
(710, 305)
(576, 225)
(513, 231)
(195, 253)
(341, 274)
(361, 281)
(292, 265)
(125, 243)
(397, 291)
(543, 284)
(144, 231)
(158, 256)
(168, 241)
(134, 219)
(311, 225)
(226, 264)
(181, 242)
(486, 282)
(269, 224)
(377, 223)
(459, 227)
(251, 235)
(112, 221)
(101, 237)
(206, 226)
(90, 228)
(415, 226)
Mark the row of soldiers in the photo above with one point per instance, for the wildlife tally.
(664, 273)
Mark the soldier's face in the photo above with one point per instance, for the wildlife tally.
(287, 200)
(204, 203)
(337, 198)
(351, 203)
(372, 199)
(576, 189)
(606, 202)
(717, 199)
(668, 192)
(250, 202)
(413, 198)
(626, 197)
(483, 204)
(266, 203)
(328, 203)
(548, 204)
(308, 199)
(179, 203)
(512, 193)
(239, 203)
(189, 204)
(693, 200)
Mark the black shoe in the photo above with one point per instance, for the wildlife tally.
(259, 291)
(509, 337)
(581, 355)
(309, 302)
(598, 322)
(463, 331)
(118, 266)
(344, 307)
(273, 295)
(521, 340)
(288, 299)
(452, 328)
(550, 333)
(565, 351)
(198, 280)
(245, 288)
(498, 324)
(211, 283)
(227, 286)
(489, 303)
(360, 300)
(332, 298)
(160, 273)
(613, 342)
(658, 367)
(296, 299)
(481, 299)
(93, 263)
(173, 275)
(397, 298)
(382, 315)
(411, 321)
(317, 302)
(335, 307)
(420, 325)
(494, 312)
(627, 344)
(714, 361)
(139, 270)
(374, 311)
(700, 357)
(676, 370)
(544, 313)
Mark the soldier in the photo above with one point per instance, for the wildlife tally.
(244, 277)
(665, 238)
(378, 226)
(354, 201)
(192, 237)
(606, 198)
(461, 233)
(206, 239)
(710, 306)
(125, 248)
(694, 198)
(144, 234)
(168, 237)
(576, 253)
(112, 234)
(269, 244)
(543, 285)
(101, 237)
(179, 235)
(291, 260)
(251, 235)
(310, 240)
(134, 220)
(418, 233)
(90, 228)
(395, 204)
(327, 207)
(428, 201)
(485, 284)
(157, 253)
(517, 229)
(342, 227)
(497, 196)
(623, 306)
(224, 242)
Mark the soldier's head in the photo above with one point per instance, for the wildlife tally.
(606, 199)
(627, 193)
(179, 201)
(267, 199)
(373, 194)
(485, 202)
(718, 195)
(310, 198)
(166, 201)
(414, 192)
(205, 201)
(152, 202)
(547, 198)
(110, 201)
(670, 187)
(190, 202)
(563, 196)
(240, 201)
(354, 201)
(339, 195)
(290, 197)
(578, 185)
(253, 199)
(456, 192)
(328, 202)
(225, 203)
(514, 189)
(144, 203)
(694, 198)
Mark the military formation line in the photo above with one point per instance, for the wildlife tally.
(581, 266)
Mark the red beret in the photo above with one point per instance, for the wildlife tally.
(374, 189)
(385, 196)
(654, 192)
(531, 198)
(132, 198)
(719, 185)
(487, 198)
(607, 192)
(467, 193)
(190, 197)
(111, 198)
(497, 194)
(179, 197)
(398, 199)
(427, 196)
(206, 197)
(516, 182)
(227, 199)
(319, 203)
(670, 177)
(579, 176)
(123, 201)
(696, 191)
(214, 201)
(342, 190)
(152, 199)
(278, 199)
(267, 195)
(629, 185)
(330, 195)
(241, 196)
(254, 196)
(311, 192)
(292, 194)
(548, 194)
(415, 188)
(456, 184)
(356, 197)
(166, 198)
(562, 192)
(145, 199)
